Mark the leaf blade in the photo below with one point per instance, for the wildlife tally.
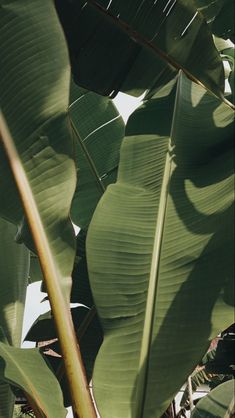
(27, 370)
(148, 39)
(120, 244)
(14, 267)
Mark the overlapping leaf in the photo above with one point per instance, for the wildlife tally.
(219, 15)
(160, 253)
(99, 130)
(218, 403)
(14, 268)
(27, 369)
(43, 328)
(135, 46)
(34, 92)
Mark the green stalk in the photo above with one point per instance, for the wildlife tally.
(153, 282)
(82, 403)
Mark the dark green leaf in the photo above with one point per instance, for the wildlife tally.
(219, 15)
(133, 47)
(43, 329)
(35, 272)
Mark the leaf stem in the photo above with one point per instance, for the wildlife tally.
(81, 397)
(153, 283)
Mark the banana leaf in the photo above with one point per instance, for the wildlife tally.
(219, 15)
(160, 251)
(38, 154)
(218, 403)
(89, 343)
(35, 272)
(98, 130)
(34, 92)
(138, 45)
(14, 268)
(43, 328)
(27, 369)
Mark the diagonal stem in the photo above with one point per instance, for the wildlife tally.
(82, 402)
(153, 281)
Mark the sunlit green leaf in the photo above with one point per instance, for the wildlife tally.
(160, 251)
(36, 117)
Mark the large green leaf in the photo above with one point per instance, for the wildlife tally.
(99, 130)
(14, 268)
(35, 131)
(34, 99)
(160, 251)
(133, 46)
(27, 369)
(218, 403)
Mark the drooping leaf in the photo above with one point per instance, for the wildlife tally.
(160, 251)
(27, 369)
(132, 47)
(217, 403)
(37, 119)
(99, 130)
(35, 131)
(14, 267)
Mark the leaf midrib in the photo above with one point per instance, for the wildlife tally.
(141, 40)
(142, 372)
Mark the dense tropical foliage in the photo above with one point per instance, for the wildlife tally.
(152, 265)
